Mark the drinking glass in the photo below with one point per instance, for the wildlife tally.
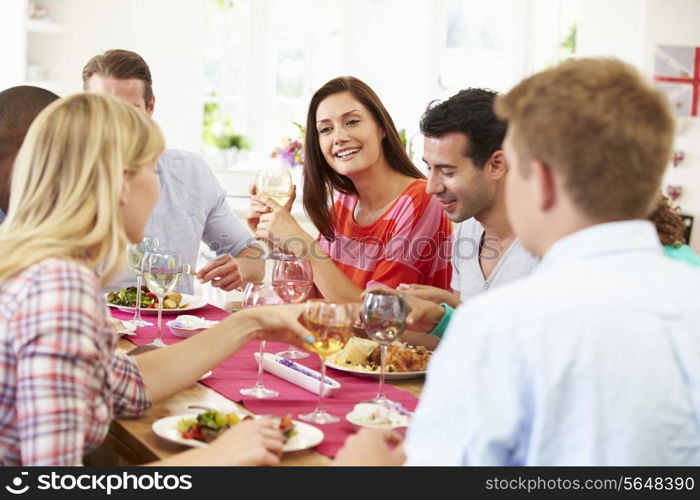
(292, 278)
(134, 255)
(162, 271)
(274, 181)
(383, 315)
(258, 294)
(331, 325)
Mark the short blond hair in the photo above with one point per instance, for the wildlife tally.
(67, 182)
(601, 126)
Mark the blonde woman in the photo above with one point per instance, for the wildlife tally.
(84, 185)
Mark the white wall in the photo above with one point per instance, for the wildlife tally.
(630, 29)
(165, 33)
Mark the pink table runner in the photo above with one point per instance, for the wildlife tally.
(240, 371)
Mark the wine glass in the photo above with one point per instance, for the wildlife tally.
(162, 271)
(331, 325)
(258, 294)
(274, 181)
(292, 278)
(383, 315)
(134, 255)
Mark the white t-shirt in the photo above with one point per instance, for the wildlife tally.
(467, 276)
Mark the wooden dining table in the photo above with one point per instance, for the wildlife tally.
(133, 442)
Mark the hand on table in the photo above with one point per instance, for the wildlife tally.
(252, 442)
(372, 447)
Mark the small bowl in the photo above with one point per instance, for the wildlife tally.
(181, 331)
(362, 416)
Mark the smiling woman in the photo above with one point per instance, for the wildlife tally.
(365, 197)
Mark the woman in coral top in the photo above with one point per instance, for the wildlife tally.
(368, 201)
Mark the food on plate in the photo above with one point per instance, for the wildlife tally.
(126, 297)
(363, 354)
(210, 424)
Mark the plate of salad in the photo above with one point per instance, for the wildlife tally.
(198, 429)
(173, 303)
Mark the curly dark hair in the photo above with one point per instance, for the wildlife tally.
(469, 112)
(669, 225)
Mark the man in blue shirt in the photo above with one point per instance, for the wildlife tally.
(594, 359)
(18, 108)
(192, 205)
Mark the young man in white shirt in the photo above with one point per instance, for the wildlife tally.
(594, 359)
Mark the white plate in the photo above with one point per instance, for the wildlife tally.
(193, 303)
(307, 436)
(361, 416)
(311, 383)
(375, 374)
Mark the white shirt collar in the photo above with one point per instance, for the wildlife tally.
(604, 239)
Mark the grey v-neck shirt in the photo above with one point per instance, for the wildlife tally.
(467, 276)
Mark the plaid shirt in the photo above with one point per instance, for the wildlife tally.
(61, 381)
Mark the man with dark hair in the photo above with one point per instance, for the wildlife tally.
(192, 205)
(467, 171)
(18, 108)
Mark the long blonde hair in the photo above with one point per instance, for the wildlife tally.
(67, 181)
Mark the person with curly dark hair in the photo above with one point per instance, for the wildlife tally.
(671, 229)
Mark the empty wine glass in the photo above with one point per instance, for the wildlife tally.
(274, 181)
(383, 315)
(134, 255)
(162, 271)
(258, 294)
(331, 325)
(292, 278)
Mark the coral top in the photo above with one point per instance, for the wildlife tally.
(410, 243)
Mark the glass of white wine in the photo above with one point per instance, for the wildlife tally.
(162, 271)
(256, 294)
(274, 181)
(292, 278)
(331, 325)
(134, 255)
(383, 315)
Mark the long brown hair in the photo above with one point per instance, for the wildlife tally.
(319, 178)
(669, 225)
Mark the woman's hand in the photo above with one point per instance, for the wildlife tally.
(430, 293)
(279, 323)
(252, 442)
(279, 227)
(372, 447)
(257, 208)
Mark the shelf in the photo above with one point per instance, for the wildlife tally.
(48, 27)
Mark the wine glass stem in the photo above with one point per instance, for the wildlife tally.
(160, 314)
(382, 365)
(260, 364)
(137, 314)
(319, 407)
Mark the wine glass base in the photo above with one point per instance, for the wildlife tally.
(319, 417)
(259, 392)
(292, 354)
(139, 322)
(158, 343)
